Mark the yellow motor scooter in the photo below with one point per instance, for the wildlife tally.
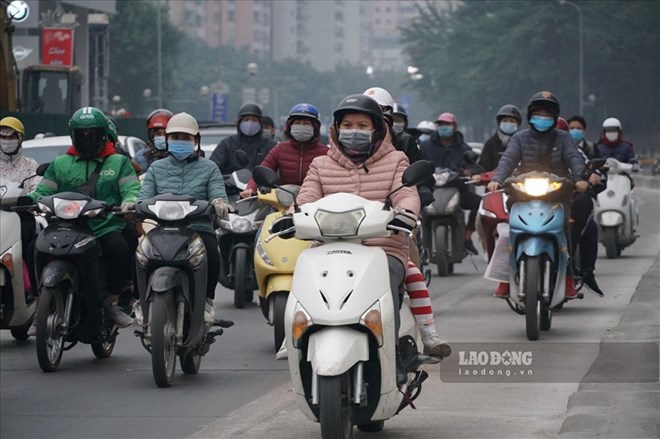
(274, 260)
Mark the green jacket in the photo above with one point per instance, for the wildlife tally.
(117, 184)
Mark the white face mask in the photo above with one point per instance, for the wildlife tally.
(9, 146)
(612, 136)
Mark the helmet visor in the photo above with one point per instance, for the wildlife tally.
(88, 141)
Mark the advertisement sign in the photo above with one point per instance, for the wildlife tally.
(219, 106)
(57, 46)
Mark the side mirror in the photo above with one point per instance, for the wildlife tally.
(265, 177)
(41, 169)
(471, 156)
(242, 158)
(417, 172)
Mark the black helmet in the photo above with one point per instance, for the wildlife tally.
(544, 100)
(359, 104)
(249, 109)
(508, 111)
(398, 109)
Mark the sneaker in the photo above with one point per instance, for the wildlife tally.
(209, 312)
(137, 312)
(590, 281)
(282, 354)
(502, 290)
(121, 319)
(570, 292)
(435, 347)
(469, 246)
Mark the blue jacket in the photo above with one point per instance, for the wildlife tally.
(197, 177)
(528, 150)
(623, 152)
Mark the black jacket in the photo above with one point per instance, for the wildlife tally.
(256, 147)
(406, 143)
(491, 153)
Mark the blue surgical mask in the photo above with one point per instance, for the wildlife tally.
(249, 127)
(577, 135)
(159, 143)
(424, 138)
(445, 131)
(180, 149)
(542, 123)
(355, 142)
(508, 127)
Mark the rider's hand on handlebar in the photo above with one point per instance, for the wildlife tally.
(493, 186)
(247, 193)
(581, 186)
(476, 178)
(128, 208)
(594, 179)
(404, 219)
(222, 209)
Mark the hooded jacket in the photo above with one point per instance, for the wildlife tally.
(374, 179)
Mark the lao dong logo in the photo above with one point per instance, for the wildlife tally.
(495, 358)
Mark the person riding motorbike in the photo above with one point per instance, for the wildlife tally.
(16, 167)
(92, 153)
(446, 149)
(293, 156)
(425, 128)
(508, 122)
(576, 126)
(541, 147)
(360, 161)
(155, 150)
(184, 172)
(611, 144)
(249, 139)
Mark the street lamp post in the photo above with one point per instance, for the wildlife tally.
(562, 2)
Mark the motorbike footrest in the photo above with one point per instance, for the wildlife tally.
(214, 333)
(223, 323)
(428, 359)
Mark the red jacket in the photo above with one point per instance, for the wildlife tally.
(292, 160)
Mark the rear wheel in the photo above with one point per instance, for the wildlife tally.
(163, 342)
(190, 363)
(279, 305)
(104, 349)
(611, 248)
(441, 258)
(50, 318)
(335, 410)
(532, 291)
(240, 281)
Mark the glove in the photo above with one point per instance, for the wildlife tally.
(24, 201)
(425, 196)
(581, 186)
(283, 223)
(128, 207)
(404, 219)
(222, 209)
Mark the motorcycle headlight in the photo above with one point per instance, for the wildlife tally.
(196, 254)
(453, 202)
(299, 324)
(68, 209)
(171, 210)
(144, 252)
(339, 224)
(373, 321)
(537, 187)
(261, 251)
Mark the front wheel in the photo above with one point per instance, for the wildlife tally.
(279, 306)
(240, 278)
(335, 410)
(441, 257)
(163, 342)
(50, 319)
(611, 248)
(532, 290)
(104, 349)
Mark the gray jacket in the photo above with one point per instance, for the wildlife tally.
(528, 150)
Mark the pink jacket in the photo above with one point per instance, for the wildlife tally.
(379, 175)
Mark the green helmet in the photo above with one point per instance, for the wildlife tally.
(89, 131)
(112, 131)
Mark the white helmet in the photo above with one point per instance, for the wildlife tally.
(612, 122)
(380, 95)
(426, 126)
(182, 123)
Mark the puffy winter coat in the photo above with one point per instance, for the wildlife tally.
(256, 147)
(528, 150)
(292, 160)
(374, 179)
(622, 151)
(117, 183)
(197, 177)
(492, 151)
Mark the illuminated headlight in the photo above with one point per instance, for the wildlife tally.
(537, 187)
(144, 252)
(339, 224)
(373, 321)
(196, 254)
(84, 242)
(261, 251)
(453, 202)
(299, 324)
(171, 210)
(68, 209)
(441, 178)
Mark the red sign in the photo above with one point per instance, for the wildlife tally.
(57, 46)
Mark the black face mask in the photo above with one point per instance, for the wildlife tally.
(89, 141)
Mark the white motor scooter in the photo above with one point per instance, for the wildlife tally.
(339, 319)
(16, 313)
(616, 211)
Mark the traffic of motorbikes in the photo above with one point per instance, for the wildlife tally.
(318, 285)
